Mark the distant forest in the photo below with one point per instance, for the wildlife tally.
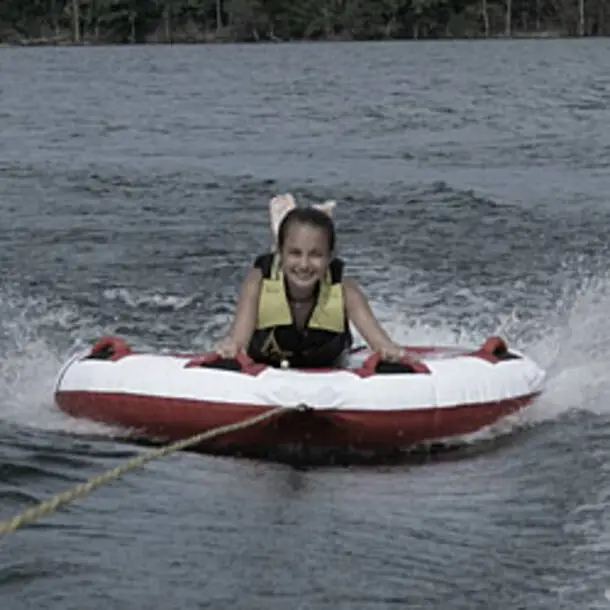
(180, 21)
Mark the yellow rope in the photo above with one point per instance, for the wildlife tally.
(82, 489)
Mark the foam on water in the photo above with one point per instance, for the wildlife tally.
(148, 299)
(581, 351)
(29, 363)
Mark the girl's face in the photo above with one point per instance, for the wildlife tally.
(305, 257)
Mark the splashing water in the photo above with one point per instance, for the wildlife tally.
(29, 364)
(576, 351)
(154, 300)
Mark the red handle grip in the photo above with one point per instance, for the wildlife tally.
(369, 366)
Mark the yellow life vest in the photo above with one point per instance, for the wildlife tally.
(274, 310)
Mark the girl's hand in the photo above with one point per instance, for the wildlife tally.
(227, 348)
(392, 353)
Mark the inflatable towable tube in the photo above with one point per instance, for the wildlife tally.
(435, 393)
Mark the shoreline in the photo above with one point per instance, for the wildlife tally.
(212, 40)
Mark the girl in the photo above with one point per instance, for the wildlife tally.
(295, 306)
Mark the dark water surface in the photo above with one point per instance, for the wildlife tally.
(472, 185)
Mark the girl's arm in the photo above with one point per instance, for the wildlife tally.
(244, 321)
(360, 313)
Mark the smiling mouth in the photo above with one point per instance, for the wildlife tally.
(303, 276)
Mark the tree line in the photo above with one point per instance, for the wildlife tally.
(179, 21)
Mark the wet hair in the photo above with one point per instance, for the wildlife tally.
(308, 216)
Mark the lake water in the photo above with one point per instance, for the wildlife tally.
(472, 186)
